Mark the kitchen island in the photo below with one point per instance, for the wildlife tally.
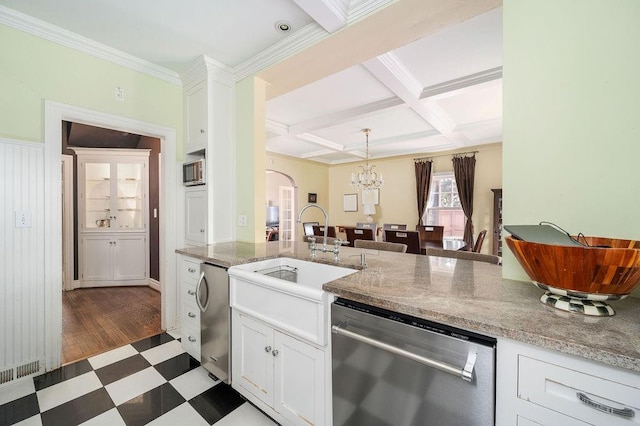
(469, 295)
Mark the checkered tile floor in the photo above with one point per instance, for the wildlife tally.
(152, 381)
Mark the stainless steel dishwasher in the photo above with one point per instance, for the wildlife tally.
(212, 297)
(394, 369)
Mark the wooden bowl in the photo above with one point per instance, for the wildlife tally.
(592, 273)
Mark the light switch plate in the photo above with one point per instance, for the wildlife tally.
(23, 219)
(242, 220)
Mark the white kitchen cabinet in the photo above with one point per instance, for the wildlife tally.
(196, 119)
(195, 212)
(189, 270)
(282, 375)
(209, 133)
(113, 211)
(543, 387)
(113, 259)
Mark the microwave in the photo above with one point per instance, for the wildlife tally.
(193, 173)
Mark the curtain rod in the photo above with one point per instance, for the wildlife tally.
(445, 155)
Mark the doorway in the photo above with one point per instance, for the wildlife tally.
(282, 204)
(55, 114)
(107, 298)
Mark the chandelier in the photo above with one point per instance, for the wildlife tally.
(367, 178)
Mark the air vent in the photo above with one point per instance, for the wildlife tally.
(6, 376)
(19, 372)
(27, 369)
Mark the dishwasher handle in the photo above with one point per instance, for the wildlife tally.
(465, 373)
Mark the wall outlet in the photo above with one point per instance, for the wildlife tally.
(242, 220)
(23, 219)
(119, 94)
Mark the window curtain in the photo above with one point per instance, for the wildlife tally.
(464, 171)
(423, 184)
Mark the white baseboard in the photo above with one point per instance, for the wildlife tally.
(154, 284)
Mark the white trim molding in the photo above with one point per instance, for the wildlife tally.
(54, 114)
(47, 31)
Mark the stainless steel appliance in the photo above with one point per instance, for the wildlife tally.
(393, 369)
(193, 173)
(212, 297)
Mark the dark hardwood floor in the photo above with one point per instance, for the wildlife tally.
(95, 320)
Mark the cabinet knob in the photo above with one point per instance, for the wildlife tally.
(192, 270)
(267, 349)
(202, 230)
(192, 339)
(202, 131)
(275, 352)
(191, 315)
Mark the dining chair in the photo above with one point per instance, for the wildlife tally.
(318, 231)
(467, 255)
(393, 227)
(308, 227)
(381, 245)
(478, 245)
(354, 234)
(367, 225)
(410, 238)
(431, 235)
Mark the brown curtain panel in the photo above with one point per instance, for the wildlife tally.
(464, 171)
(423, 184)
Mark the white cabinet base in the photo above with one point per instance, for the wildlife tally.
(541, 387)
(283, 376)
(113, 260)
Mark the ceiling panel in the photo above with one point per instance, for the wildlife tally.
(478, 103)
(464, 49)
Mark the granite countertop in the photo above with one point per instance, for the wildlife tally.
(469, 295)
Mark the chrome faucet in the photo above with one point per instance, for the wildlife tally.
(326, 220)
(324, 248)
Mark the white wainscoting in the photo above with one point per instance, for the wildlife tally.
(22, 284)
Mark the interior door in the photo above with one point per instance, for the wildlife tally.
(287, 229)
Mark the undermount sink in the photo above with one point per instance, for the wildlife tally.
(286, 293)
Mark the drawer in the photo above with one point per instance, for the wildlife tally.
(190, 338)
(190, 269)
(190, 314)
(560, 389)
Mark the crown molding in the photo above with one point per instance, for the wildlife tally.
(358, 9)
(296, 42)
(203, 67)
(31, 25)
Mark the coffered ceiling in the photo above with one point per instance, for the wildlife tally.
(443, 92)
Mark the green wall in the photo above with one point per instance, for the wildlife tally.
(33, 69)
(571, 117)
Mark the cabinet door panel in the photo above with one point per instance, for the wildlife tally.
(299, 378)
(197, 128)
(96, 258)
(195, 216)
(130, 258)
(253, 360)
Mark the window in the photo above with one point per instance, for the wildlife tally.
(443, 207)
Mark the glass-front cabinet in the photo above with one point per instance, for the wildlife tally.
(112, 190)
(112, 211)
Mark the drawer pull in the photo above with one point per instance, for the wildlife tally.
(192, 270)
(191, 315)
(191, 292)
(622, 412)
(192, 339)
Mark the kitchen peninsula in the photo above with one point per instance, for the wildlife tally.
(473, 296)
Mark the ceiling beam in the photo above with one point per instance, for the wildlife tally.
(391, 72)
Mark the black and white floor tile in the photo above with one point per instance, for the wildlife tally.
(152, 381)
